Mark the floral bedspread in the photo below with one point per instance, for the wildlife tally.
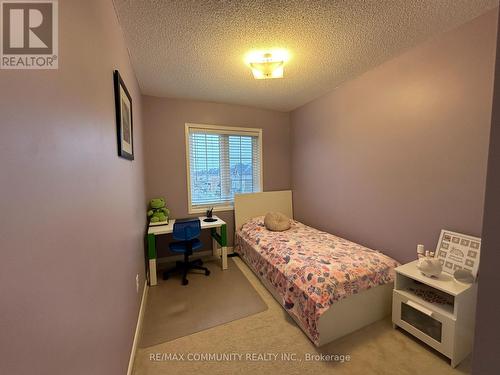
(310, 269)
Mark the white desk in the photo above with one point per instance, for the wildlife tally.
(218, 231)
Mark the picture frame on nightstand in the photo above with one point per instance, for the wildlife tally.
(457, 251)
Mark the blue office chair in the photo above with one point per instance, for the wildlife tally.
(187, 233)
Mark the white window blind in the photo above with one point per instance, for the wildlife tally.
(222, 162)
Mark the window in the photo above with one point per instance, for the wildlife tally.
(222, 161)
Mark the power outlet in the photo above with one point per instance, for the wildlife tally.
(137, 282)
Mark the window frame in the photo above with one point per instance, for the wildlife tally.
(236, 130)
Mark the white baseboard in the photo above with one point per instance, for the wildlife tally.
(138, 328)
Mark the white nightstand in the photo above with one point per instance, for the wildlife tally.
(447, 327)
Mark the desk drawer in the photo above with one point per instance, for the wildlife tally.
(432, 327)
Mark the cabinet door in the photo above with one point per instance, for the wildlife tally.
(429, 326)
(422, 321)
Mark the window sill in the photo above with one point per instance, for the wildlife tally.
(203, 210)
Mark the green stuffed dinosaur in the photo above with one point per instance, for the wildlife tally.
(158, 210)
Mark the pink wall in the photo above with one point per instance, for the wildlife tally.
(165, 120)
(395, 155)
(72, 213)
(487, 341)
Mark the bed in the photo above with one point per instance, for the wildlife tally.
(330, 286)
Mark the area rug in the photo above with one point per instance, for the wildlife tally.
(174, 311)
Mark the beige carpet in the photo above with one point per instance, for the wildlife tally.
(174, 310)
(376, 349)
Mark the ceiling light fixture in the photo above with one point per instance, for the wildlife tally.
(267, 64)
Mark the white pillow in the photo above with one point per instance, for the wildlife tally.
(276, 221)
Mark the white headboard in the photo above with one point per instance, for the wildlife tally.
(247, 206)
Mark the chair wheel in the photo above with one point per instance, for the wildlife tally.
(185, 282)
(165, 276)
(207, 272)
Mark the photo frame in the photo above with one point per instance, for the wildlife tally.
(458, 251)
(124, 118)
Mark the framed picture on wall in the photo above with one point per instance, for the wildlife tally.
(124, 121)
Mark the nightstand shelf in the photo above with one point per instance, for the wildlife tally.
(445, 310)
(438, 311)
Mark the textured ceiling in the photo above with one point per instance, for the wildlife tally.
(195, 49)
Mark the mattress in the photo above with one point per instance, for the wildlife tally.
(309, 269)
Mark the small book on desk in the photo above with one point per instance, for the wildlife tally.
(158, 223)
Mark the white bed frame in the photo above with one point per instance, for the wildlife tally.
(345, 316)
